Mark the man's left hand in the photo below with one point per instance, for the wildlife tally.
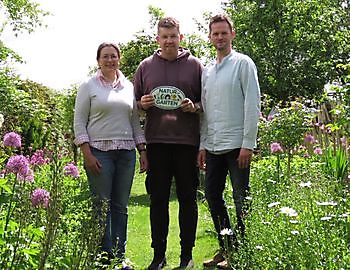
(188, 106)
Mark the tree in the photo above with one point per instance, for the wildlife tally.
(296, 44)
(20, 16)
(23, 15)
(144, 44)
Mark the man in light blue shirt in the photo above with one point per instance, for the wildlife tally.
(231, 106)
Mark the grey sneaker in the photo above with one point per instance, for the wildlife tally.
(188, 264)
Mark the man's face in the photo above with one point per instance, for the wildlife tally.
(221, 36)
(169, 40)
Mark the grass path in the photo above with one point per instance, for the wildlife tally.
(139, 237)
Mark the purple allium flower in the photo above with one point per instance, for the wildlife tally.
(276, 147)
(38, 158)
(318, 151)
(18, 164)
(72, 170)
(40, 197)
(309, 139)
(28, 177)
(12, 139)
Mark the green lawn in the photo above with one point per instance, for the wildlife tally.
(139, 238)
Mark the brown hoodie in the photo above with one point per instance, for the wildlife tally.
(184, 73)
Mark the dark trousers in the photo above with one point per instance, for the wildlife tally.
(217, 167)
(168, 161)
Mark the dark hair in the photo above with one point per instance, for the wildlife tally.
(220, 18)
(169, 22)
(107, 44)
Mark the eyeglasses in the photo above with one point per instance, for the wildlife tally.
(109, 56)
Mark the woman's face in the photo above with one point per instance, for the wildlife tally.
(108, 60)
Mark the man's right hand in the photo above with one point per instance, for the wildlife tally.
(147, 101)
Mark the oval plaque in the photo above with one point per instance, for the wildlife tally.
(167, 97)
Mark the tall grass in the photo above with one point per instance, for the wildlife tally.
(298, 223)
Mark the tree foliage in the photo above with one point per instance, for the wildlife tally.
(23, 15)
(29, 109)
(20, 16)
(296, 45)
(144, 44)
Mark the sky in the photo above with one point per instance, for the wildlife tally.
(60, 55)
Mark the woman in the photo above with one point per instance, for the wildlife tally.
(107, 128)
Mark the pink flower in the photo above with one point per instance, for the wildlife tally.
(72, 170)
(18, 164)
(261, 117)
(38, 158)
(309, 139)
(318, 151)
(276, 147)
(12, 139)
(270, 117)
(40, 197)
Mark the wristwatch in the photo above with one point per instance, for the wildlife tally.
(142, 148)
(198, 107)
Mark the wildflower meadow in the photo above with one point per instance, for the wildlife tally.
(299, 216)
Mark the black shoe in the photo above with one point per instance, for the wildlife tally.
(157, 263)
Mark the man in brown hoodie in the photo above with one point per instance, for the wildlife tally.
(168, 88)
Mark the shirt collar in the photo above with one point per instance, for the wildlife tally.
(117, 83)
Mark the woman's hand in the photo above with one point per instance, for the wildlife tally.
(92, 164)
(143, 162)
(90, 161)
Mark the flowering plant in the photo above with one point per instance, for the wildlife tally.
(12, 139)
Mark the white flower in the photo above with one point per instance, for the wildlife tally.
(326, 218)
(346, 214)
(226, 231)
(305, 184)
(1, 120)
(266, 222)
(331, 203)
(293, 221)
(288, 211)
(273, 204)
(294, 232)
(259, 247)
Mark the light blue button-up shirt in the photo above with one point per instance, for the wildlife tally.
(231, 104)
